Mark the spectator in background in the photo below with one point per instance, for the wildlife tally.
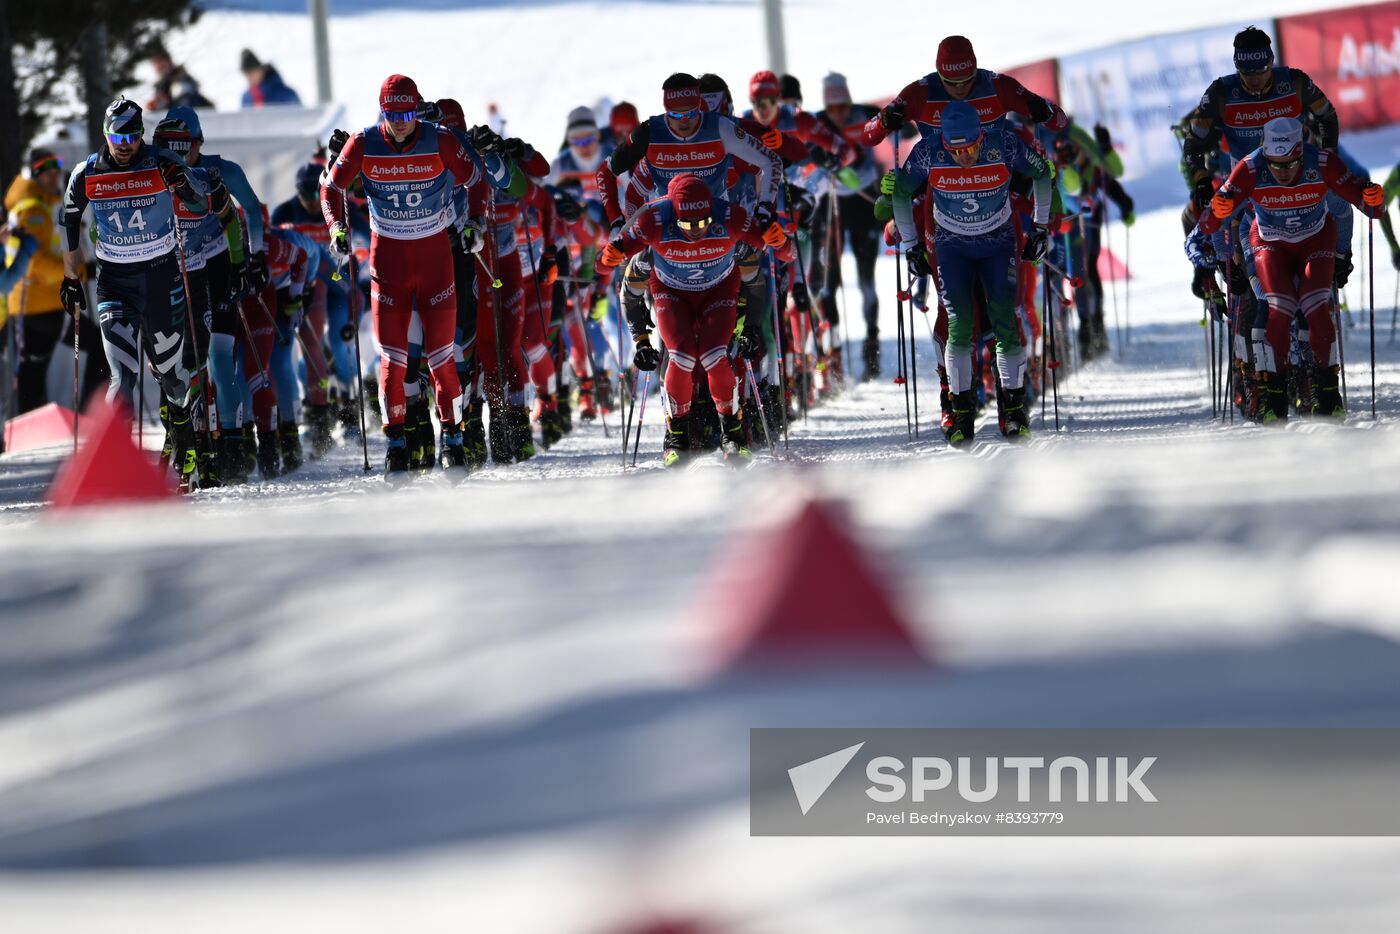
(33, 202)
(621, 122)
(265, 85)
(791, 93)
(174, 86)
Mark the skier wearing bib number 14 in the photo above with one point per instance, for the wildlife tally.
(131, 188)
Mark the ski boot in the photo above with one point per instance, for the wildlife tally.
(167, 446)
(499, 435)
(348, 414)
(184, 453)
(603, 388)
(396, 472)
(964, 416)
(454, 455)
(249, 449)
(1273, 403)
(587, 407)
(551, 432)
(870, 354)
(418, 430)
(566, 412)
(318, 423)
(736, 452)
(208, 461)
(231, 467)
(268, 453)
(1329, 398)
(677, 440)
(945, 401)
(474, 434)
(705, 426)
(289, 437)
(1015, 422)
(521, 436)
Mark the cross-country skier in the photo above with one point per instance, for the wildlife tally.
(694, 287)
(131, 188)
(1293, 239)
(968, 170)
(958, 78)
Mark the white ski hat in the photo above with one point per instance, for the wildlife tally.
(834, 89)
(1283, 138)
(581, 116)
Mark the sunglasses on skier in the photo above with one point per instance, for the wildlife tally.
(52, 162)
(959, 82)
(698, 224)
(1285, 165)
(123, 139)
(683, 114)
(588, 140)
(400, 116)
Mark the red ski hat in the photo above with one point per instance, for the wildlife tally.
(680, 100)
(398, 94)
(452, 115)
(690, 197)
(956, 60)
(764, 84)
(624, 118)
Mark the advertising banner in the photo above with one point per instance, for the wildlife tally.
(1038, 78)
(1354, 56)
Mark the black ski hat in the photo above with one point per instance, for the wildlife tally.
(792, 88)
(1254, 51)
(248, 61)
(123, 116)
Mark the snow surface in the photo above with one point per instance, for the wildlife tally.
(315, 705)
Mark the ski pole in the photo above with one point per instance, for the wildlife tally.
(641, 415)
(845, 306)
(758, 400)
(1127, 283)
(1394, 308)
(1054, 364)
(1371, 282)
(778, 341)
(77, 391)
(1206, 335)
(1341, 343)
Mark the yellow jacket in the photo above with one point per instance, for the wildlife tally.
(34, 210)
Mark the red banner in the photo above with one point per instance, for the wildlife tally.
(1354, 56)
(1039, 78)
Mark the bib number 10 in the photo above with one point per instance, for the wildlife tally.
(412, 199)
(134, 222)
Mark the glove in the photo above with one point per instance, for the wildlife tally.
(773, 139)
(918, 262)
(291, 307)
(72, 295)
(615, 228)
(548, 270)
(1239, 279)
(887, 182)
(599, 311)
(1129, 219)
(566, 207)
(1037, 245)
(257, 267)
(1395, 258)
(647, 357)
(337, 142)
(750, 342)
(1102, 138)
(612, 255)
(515, 149)
(176, 177)
(848, 177)
(347, 332)
(340, 240)
(1203, 282)
(485, 140)
(892, 118)
(883, 208)
(821, 158)
(1125, 208)
(1201, 194)
(1373, 195)
(762, 215)
(470, 237)
(1222, 206)
(1341, 270)
(773, 236)
(238, 280)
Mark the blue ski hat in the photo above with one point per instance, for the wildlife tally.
(961, 125)
(309, 179)
(177, 129)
